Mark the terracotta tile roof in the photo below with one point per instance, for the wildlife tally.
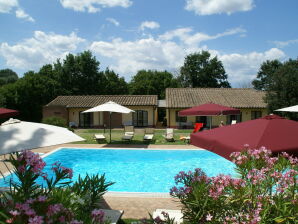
(232, 97)
(95, 100)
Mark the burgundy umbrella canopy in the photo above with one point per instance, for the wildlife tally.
(209, 109)
(273, 132)
(5, 113)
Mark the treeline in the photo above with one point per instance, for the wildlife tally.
(81, 75)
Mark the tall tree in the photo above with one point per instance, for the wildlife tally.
(265, 74)
(7, 76)
(281, 90)
(29, 94)
(152, 83)
(78, 73)
(200, 70)
(111, 84)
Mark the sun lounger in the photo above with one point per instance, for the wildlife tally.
(112, 216)
(127, 137)
(169, 136)
(99, 137)
(129, 130)
(149, 134)
(173, 214)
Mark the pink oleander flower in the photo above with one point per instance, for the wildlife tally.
(62, 219)
(41, 198)
(97, 215)
(9, 220)
(209, 217)
(54, 209)
(14, 212)
(57, 166)
(69, 172)
(35, 220)
(32, 160)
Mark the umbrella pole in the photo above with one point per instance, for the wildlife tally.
(210, 122)
(110, 127)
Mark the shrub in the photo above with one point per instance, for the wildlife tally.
(57, 201)
(266, 191)
(57, 121)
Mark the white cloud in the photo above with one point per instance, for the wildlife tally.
(184, 35)
(149, 25)
(20, 13)
(42, 48)
(243, 67)
(113, 21)
(164, 52)
(209, 7)
(6, 6)
(93, 6)
(132, 56)
(282, 44)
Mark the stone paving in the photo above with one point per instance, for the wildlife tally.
(135, 205)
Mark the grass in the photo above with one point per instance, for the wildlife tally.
(117, 134)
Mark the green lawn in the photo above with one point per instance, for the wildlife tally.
(158, 139)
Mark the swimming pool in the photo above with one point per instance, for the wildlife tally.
(138, 170)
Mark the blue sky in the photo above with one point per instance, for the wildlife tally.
(129, 35)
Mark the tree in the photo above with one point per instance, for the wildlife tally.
(29, 94)
(7, 76)
(111, 84)
(281, 89)
(152, 83)
(264, 76)
(79, 74)
(199, 70)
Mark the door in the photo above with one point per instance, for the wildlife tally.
(86, 120)
(140, 118)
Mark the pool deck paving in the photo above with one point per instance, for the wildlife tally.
(135, 205)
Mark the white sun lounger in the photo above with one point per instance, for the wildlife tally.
(149, 134)
(99, 137)
(112, 216)
(169, 136)
(176, 214)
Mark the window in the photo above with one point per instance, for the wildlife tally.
(86, 120)
(256, 114)
(237, 117)
(140, 118)
(180, 119)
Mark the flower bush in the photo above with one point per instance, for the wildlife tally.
(264, 191)
(58, 201)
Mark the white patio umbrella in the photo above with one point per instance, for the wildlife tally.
(16, 135)
(289, 109)
(110, 107)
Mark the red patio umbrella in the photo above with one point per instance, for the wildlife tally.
(275, 133)
(209, 109)
(5, 113)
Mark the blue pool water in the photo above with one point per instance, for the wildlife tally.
(138, 170)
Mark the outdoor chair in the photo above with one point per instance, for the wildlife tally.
(169, 136)
(99, 137)
(129, 130)
(197, 127)
(128, 133)
(233, 122)
(149, 134)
